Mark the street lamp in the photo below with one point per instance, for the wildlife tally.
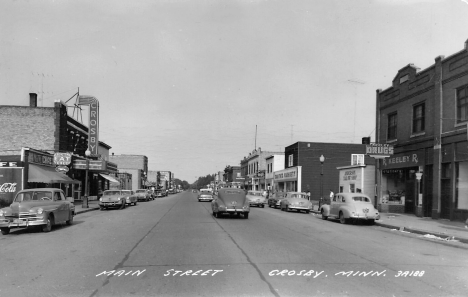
(322, 159)
(86, 194)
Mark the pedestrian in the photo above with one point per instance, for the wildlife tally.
(308, 195)
(331, 194)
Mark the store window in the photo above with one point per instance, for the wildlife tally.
(357, 159)
(418, 118)
(392, 126)
(393, 186)
(462, 104)
(461, 197)
(351, 188)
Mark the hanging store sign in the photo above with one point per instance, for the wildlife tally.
(377, 150)
(403, 160)
(62, 158)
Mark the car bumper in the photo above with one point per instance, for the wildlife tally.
(110, 204)
(364, 217)
(21, 222)
(205, 199)
(256, 203)
(234, 210)
(299, 207)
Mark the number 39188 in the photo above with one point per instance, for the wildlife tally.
(410, 273)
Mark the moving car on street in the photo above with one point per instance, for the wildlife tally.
(257, 198)
(43, 207)
(143, 195)
(275, 199)
(296, 201)
(205, 195)
(230, 201)
(350, 206)
(117, 199)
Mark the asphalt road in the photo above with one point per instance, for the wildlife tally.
(173, 246)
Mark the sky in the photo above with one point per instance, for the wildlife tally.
(197, 85)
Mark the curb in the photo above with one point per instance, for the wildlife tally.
(85, 210)
(422, 232)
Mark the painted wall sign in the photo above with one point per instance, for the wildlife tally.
(404, 160)
(286, 174)
(93, 132)
(62, 158)
(11, 182)
(350, 175)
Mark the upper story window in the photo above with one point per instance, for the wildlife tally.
(418, 118)
(404, 78)
(357, 159)
(392, 126)
(290, 160)
(462, 104)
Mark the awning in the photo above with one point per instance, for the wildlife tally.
(109, 178)
(43, 174)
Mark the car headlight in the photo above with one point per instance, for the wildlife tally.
(222, 207)
(2, 213)
(100, 199)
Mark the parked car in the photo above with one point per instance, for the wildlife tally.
(230, 201)
(159, 193)
(257, 198)
(296, 201)
(275, 199)
(37, 207)
(205, 195)
(350, 206)
(143, 195)
(117, 199)
(194, 191)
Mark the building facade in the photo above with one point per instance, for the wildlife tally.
(137, 165)
(274, 163)
(256, 169)
(304, 171)
(424, 115)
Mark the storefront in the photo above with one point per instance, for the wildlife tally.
(288, 180)
(98, 175)
(11, 178)
(401, 182)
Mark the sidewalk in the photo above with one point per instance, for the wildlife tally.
(92, 205)
(437, 229)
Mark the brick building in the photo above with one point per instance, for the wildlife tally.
(424, 115)
(303, 169)
(34, 134)
(136, 165)
(232, 176)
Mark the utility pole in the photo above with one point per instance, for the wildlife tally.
(355, 82)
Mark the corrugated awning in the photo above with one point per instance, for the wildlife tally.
(43, 174)
(109, 178)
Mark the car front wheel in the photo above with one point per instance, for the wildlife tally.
(48, 226)
(70, 221)
(5, 231)
(342, 219)
(246, 215)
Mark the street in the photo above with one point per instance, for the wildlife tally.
(173, 246)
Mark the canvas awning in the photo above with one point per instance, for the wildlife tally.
(110, 178)
(43, 174)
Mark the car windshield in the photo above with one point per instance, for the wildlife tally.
(110, 193)
(33, 196)
(205, 192)
(361, 198)
(127, 192)
(141, 191)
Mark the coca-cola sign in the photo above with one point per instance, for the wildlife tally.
(11, 182)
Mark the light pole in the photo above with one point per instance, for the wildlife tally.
(86, 194)
(322, 159)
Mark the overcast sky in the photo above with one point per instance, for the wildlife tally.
(186, 82)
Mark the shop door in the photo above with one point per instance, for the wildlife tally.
(427, 194)
(445, 199)
(410, 197)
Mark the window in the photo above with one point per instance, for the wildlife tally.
(418, 118)
(290, 160)
(351, 188)
(462, 104)
(357, 159)
(392, 126)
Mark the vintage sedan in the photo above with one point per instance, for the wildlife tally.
(230, 201)
(159, 193)
(350, 206)
(275, 199)
(117, 199)
(257, 198)
(43, 207)
(296, 201)
(205, 195)
(143, 195)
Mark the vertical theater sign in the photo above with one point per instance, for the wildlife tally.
(93, 133)
(11, 180)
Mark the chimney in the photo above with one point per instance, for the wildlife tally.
(366, 140)
(32, 100)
